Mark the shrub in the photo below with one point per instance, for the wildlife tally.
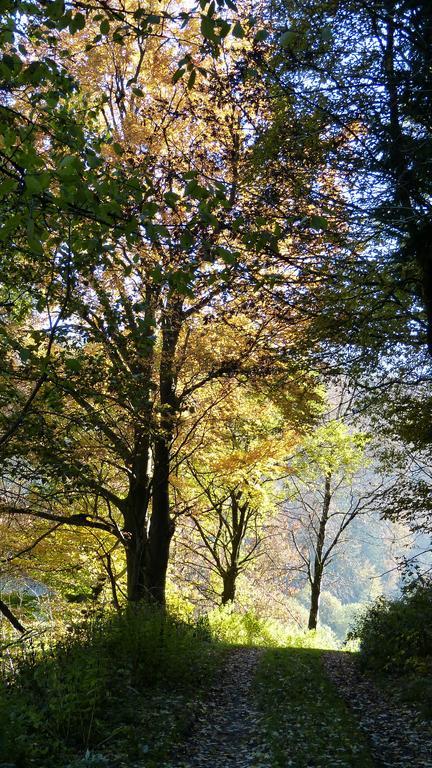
(61, 698)
(396, 635)
(231, 626)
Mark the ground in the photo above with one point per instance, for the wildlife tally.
(300, 708)
(221, 707)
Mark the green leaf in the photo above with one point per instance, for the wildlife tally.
(178, 75)
(138, 92)
(318, 222)
(118, 149)
(208, 28)
(191, 80)
(238, 30)
(287, 38)
(35, 244)
(224, 28)
(72, 364)
(261, 35)
(77, 23)
(24, 355)
(7, 186)
(104, 27)
(32, 185)
(326, 34)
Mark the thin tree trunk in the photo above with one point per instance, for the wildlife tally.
(238, 531)
(12, 619)
(316, 580)
(315, 598)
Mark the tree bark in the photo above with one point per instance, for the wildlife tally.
(12, 619)
(315, 598)
(229, 587)
(161, 525)
(316, 578)
(135, 516)
(237, 530)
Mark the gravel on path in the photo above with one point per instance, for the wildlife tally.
(398, 735)
(227, 732)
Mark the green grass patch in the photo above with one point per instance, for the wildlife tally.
(306, 724)
(115, 690)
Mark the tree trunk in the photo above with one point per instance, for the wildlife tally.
(135, 516)
(161, 525)
(318, 570)
(229, 587)
(407, 186)
(315, 597)
(12, 619)
(423, 254)
(136, 552)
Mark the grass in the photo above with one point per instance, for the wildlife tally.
(414, 689)
(121, 691)
(306, 724)
(116, 690)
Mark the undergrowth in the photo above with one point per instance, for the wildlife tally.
(230, 626)
(395, 638)
(123, 688)
(105, 676)
(396, 635)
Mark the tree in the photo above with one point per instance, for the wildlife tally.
(226, 492)
(329, 489)
(173, 245)
(115, 205)
(356, 76)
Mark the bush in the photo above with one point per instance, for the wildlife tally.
(230, 626)
(62, 698)
(396, 635)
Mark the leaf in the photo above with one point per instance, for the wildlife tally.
(238, 30)
(33, 185)
(261, 35)
(77, 23)
(178, 75)
(191, 80)
(318, 222)
(72, 364)
(118, 149)
(104, 27)
(287, 38)
(208, 28)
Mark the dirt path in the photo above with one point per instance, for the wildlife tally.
(227, 731)
(398, 736)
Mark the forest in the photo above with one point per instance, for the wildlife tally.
(215, 383)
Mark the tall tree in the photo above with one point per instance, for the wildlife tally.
(330, 488)
(226, 492)
(356, 79)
